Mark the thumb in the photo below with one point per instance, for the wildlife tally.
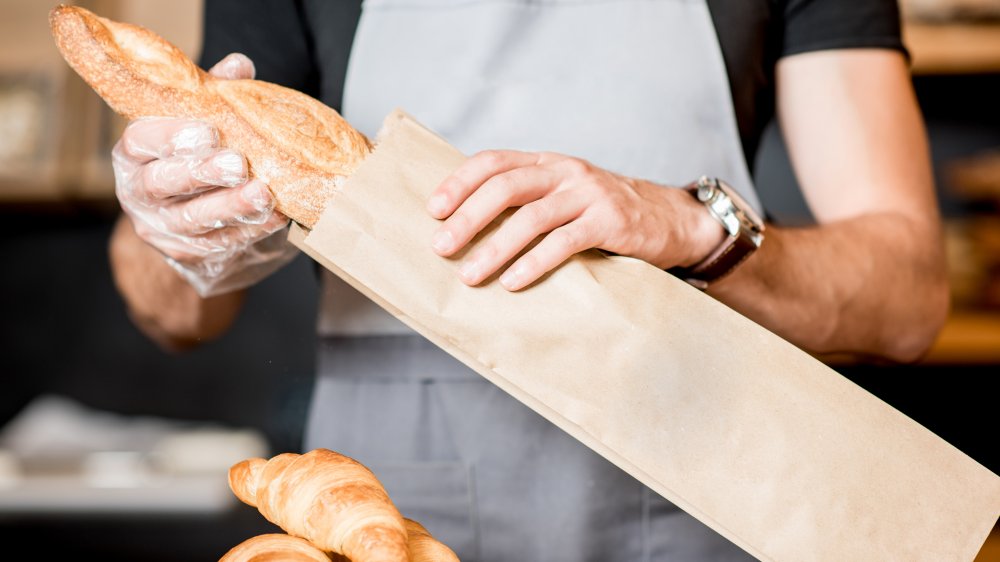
(234, 67)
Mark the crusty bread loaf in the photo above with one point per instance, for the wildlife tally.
(299, 146)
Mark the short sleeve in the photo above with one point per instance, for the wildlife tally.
(817, 25)
(271, 32)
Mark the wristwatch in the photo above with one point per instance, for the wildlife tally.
(743, 225)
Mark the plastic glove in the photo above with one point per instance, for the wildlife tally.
(190, 199)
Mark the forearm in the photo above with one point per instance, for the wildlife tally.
(160, 302)
(875, 284)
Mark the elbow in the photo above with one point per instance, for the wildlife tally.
(922, 301)
(910, 336)
(185, 320)
(177, 333)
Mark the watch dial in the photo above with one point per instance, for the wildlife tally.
(742, 205)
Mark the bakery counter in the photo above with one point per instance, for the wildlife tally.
(114, 493)
(60, 458)
(112, 487)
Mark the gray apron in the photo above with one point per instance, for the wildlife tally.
(635, 86)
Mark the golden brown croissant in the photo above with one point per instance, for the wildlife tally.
(327, 498)
(425, 548)
(275, 547)
(265, 548)
(301, 148)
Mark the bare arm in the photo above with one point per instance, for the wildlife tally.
(162, 303)
(870, 278)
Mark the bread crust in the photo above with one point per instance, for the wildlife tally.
(301, 148)
(424, 547)
(275, 547)
(331, 500)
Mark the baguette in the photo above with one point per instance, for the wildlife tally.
(301, 148)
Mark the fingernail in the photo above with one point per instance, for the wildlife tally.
(469, 271)
(231, 67)
(443, 241)
(231, 166)
(194, 138)
(256, 193)
(236, 66)
(512, 278)
(437, 205)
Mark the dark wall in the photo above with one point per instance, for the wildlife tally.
(65, 331)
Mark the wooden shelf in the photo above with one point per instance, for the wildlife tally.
(991, 548)
(953, 48)
(968, 337)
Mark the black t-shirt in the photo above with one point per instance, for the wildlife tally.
(305, 44)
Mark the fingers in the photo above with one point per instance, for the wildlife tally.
(509, 189)
(217, 246)
(151, 138)
(250, 204)
(187, 175)
(235, 66)
(188, 198)
(517, 233)
(566, 197)
(557, 247)
(473, 173)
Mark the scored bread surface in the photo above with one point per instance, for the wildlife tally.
(301, 148)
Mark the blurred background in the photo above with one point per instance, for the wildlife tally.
(113, 448)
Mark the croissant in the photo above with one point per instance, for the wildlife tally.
(300, 147)
(265, 548)
(424, 547)
(275, 547)
(327, 498)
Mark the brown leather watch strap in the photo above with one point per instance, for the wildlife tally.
(720, 199)
(729, 255)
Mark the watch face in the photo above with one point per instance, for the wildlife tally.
(738, 218)
(706, 189)
(745, 208)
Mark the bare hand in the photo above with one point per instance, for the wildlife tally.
(573, 204)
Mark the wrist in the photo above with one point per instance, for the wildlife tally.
(743, 228)
(160, 302)
(239, 270)
(701, 233)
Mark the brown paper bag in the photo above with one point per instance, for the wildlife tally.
(757, 439)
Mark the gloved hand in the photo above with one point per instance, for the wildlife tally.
(190, 199)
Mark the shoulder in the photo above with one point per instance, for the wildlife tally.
(814, 25)
(792, 26)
